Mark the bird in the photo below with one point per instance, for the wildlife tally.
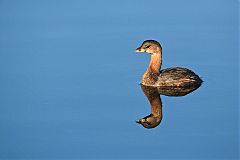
(175, 77)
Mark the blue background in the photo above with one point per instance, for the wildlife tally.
(69, 79)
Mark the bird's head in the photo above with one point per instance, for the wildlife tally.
(150, 121)
(150, 46)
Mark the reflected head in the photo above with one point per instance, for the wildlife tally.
(150, 121)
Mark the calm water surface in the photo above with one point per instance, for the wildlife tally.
(69, 79)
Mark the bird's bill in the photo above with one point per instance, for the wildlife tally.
(139, 49)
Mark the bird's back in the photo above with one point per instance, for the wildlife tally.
(178, 77)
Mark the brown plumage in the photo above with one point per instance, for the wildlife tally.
(172, 77)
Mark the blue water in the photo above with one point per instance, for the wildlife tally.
(69, 79)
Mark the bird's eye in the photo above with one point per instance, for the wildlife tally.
(148, 123)
(147, 46)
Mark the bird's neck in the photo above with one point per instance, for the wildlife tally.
(155, 62)
(156, 106)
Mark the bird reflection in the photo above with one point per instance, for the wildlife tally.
(153, 96)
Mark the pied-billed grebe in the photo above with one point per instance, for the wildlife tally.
(171, 77)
